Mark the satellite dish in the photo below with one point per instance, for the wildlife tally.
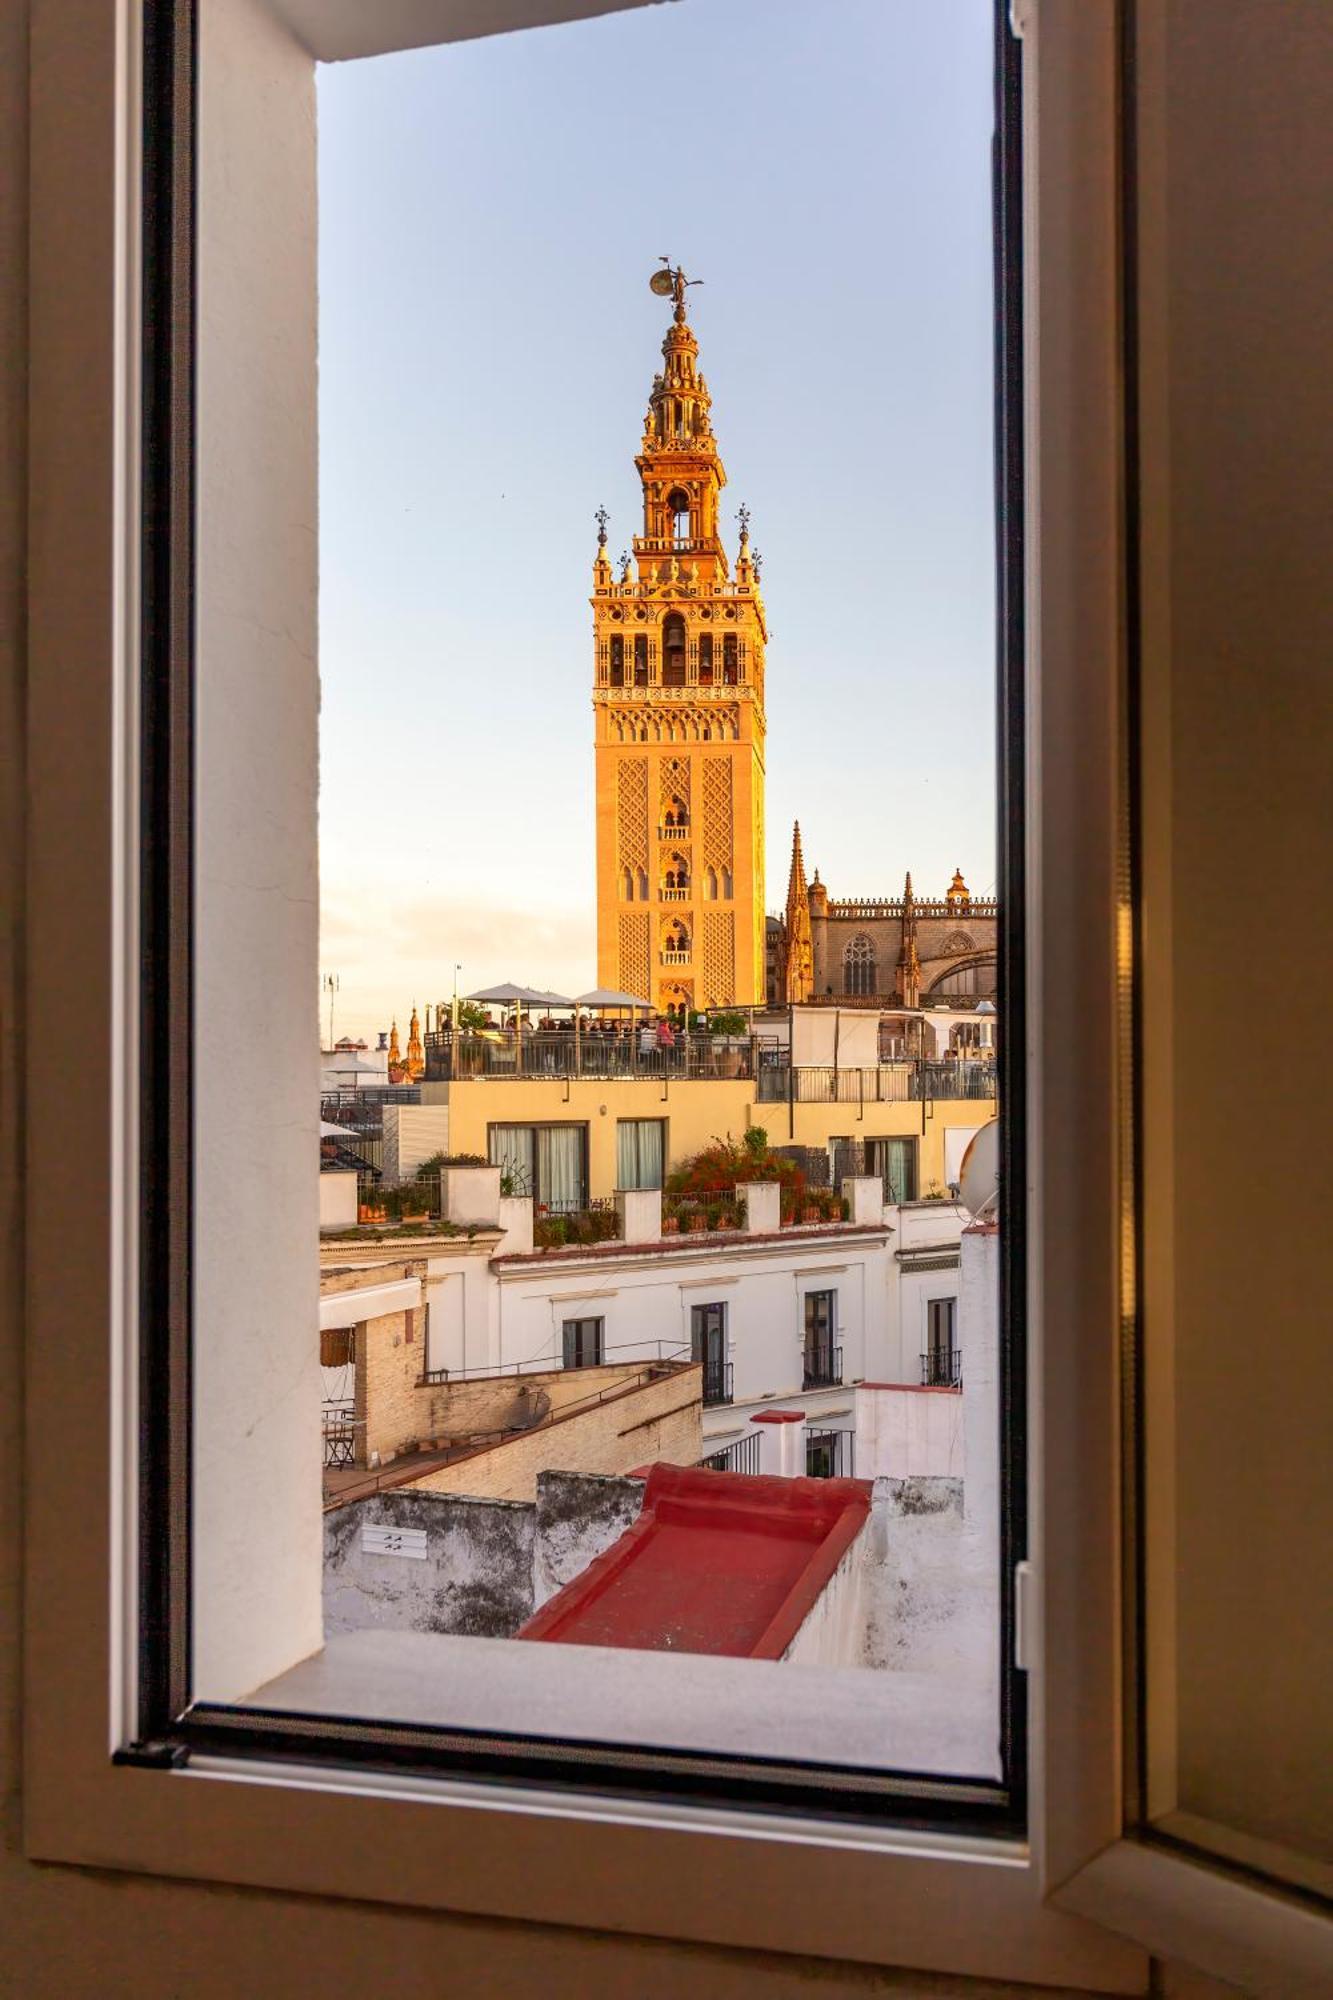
(979, 1175)
(662, 283)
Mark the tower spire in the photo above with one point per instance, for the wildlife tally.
(678, 694)
(800, 969)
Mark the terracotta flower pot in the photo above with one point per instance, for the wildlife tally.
(810, 1215)
(698, 1224)
(670, 1225)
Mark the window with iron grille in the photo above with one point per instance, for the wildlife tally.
(940, 1368)
(708, 1344)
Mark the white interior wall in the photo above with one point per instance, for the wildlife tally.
(257, 1386)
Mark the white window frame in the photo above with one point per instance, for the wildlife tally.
(1037, 1911)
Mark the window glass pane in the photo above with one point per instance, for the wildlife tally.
(513, 1148)
(642, 1103)
(639, 1153)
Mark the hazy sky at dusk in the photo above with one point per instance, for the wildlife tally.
(490, 215)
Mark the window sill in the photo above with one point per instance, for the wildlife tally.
(752, 1708)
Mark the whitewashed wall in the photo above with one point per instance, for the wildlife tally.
(909, 1433)
(257, 1380)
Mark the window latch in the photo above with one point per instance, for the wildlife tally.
(1025, 1585)
(154, 1755)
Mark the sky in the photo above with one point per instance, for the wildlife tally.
(490, 215)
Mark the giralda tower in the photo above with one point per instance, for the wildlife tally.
(678, 697)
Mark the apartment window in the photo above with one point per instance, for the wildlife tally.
(708, 1344)
(895, 1161)
(828, 1454)
(640, 1152)
(583, 1342)
(823, 1358)
(940, 1364)
(546, 1162)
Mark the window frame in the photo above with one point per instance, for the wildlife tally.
(787, 1884)
(571, 1340)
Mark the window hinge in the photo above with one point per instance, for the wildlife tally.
(1025, 1584)
(155, 1755)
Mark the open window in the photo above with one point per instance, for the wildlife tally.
(176, 1701)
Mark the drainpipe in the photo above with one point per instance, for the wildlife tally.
(791, 1072)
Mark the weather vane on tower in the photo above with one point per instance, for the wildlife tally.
(672, 284)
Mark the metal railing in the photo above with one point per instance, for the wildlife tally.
(742, 1456)
(942, 1368)
(409, 1201)
(823, 1366)
(602, 1054)
(828, 1454)
(717, 1383)
(558, 1225)
(888, 1083)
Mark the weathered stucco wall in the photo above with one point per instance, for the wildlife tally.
(488, 1565)
(661, 1420)
(578, 1515)
(476, 1578)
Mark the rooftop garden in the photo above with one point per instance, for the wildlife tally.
(699, 1195)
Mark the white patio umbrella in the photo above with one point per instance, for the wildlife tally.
(507, 994)
(603, 998)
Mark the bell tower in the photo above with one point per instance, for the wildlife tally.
(678, 703)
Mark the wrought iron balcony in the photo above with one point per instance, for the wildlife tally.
(823, 1367)
(942, 1368)
(742, 1456)
(717, 1383)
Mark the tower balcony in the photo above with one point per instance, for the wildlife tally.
(676, 833)
(674, 895)
(675, 957)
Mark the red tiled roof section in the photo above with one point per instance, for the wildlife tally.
(717, 1562)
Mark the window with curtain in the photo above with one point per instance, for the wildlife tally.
(895, 1160)
(544, 1161)
(640, 1152)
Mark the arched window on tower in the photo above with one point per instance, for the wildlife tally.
(640, 659)
(706, 660)
(627, 884)
(730, 660)
(728, 887)
(858, 968)
(678, 507)
(673, 651)
(710, 885)
(617, 661)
